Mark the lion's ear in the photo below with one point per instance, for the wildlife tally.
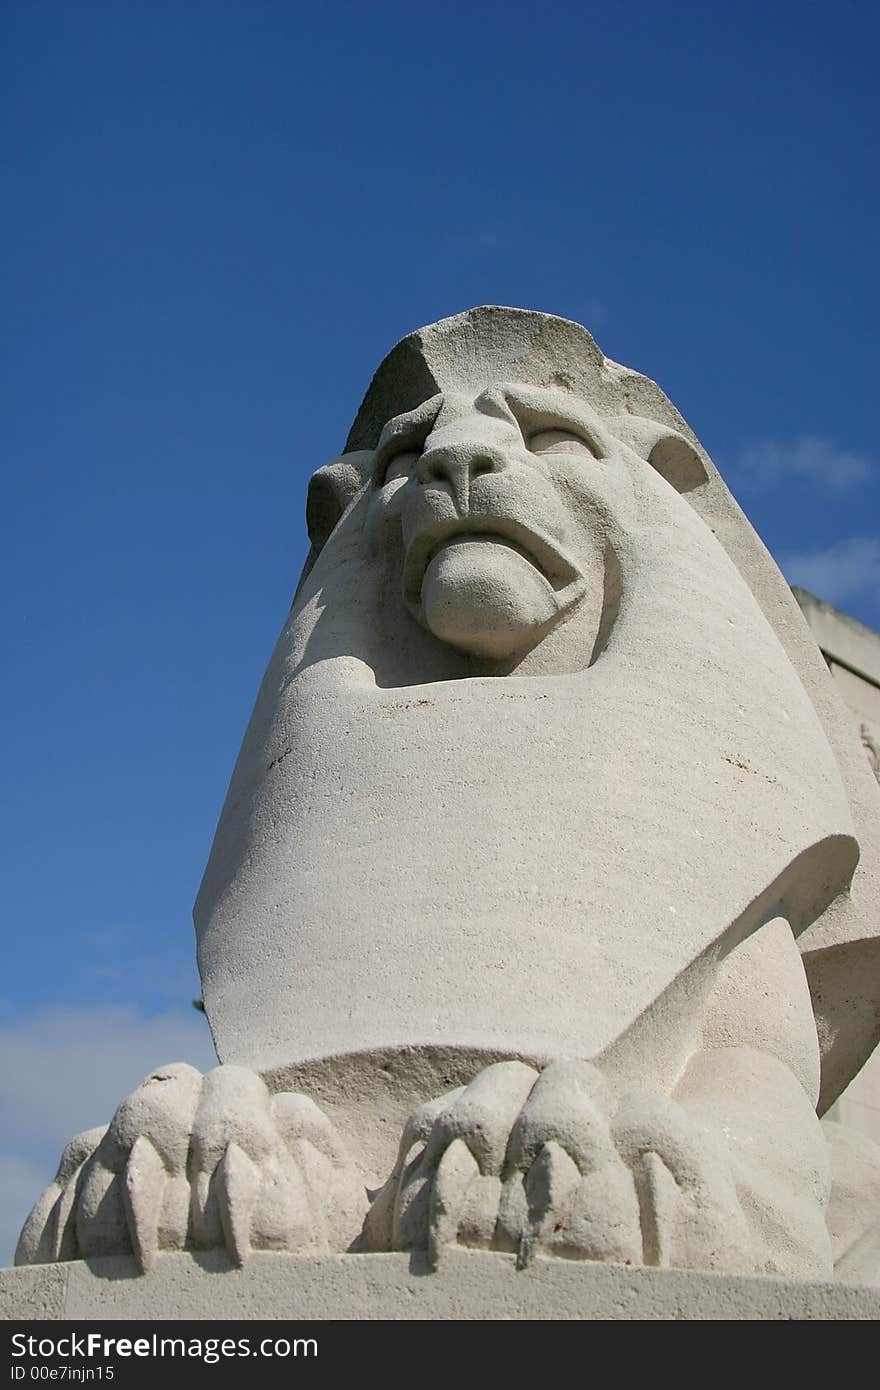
(676, 460)
(331, 490)
(673, 456)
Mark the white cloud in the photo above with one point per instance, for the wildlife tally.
(66, 1069)
(808, 460)
(21, 1182)
(841, 571)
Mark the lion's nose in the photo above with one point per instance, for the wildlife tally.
(457, 466)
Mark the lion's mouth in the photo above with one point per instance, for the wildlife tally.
(555, 568)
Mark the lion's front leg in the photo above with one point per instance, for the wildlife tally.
(726, 1168)
(775, 1152)
(754, 1082)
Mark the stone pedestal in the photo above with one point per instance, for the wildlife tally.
(470, 1285)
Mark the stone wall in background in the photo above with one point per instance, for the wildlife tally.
(852, 652)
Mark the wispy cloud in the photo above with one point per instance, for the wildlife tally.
(21, 1182)
(65, 1070)
(810, 460)
(841, 571)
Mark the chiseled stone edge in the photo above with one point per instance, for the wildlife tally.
(470, 1285)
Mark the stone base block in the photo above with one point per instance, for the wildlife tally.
(469, 1285)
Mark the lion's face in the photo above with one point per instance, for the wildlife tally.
(484, 534)
(489, 516)
(493, 555)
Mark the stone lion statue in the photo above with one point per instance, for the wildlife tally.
(538, 916)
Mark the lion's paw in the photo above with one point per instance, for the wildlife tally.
(200, 1162)
(554, 1164)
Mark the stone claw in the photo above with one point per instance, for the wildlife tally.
(238, 1181)
(49, 1234)
(553, 1164)
(449, 1207)
(143, 1195)
(691, 1212)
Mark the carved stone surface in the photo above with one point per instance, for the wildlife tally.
(470, 1285)
(201, 1163)
(547, 848)
(852, 652)
(872, 748)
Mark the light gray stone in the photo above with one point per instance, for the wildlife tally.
(202, 1163)
(842, 638)
(852, 652)
(39, 1293)
(853, 655)
(508, 719)
(549, 865)
(470, 1285)
(854, 1209)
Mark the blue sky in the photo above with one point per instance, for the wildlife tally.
(218, 217)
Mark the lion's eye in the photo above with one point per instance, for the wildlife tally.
(558, 442)
(400, 465)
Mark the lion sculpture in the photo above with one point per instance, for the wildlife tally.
(538, 914)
